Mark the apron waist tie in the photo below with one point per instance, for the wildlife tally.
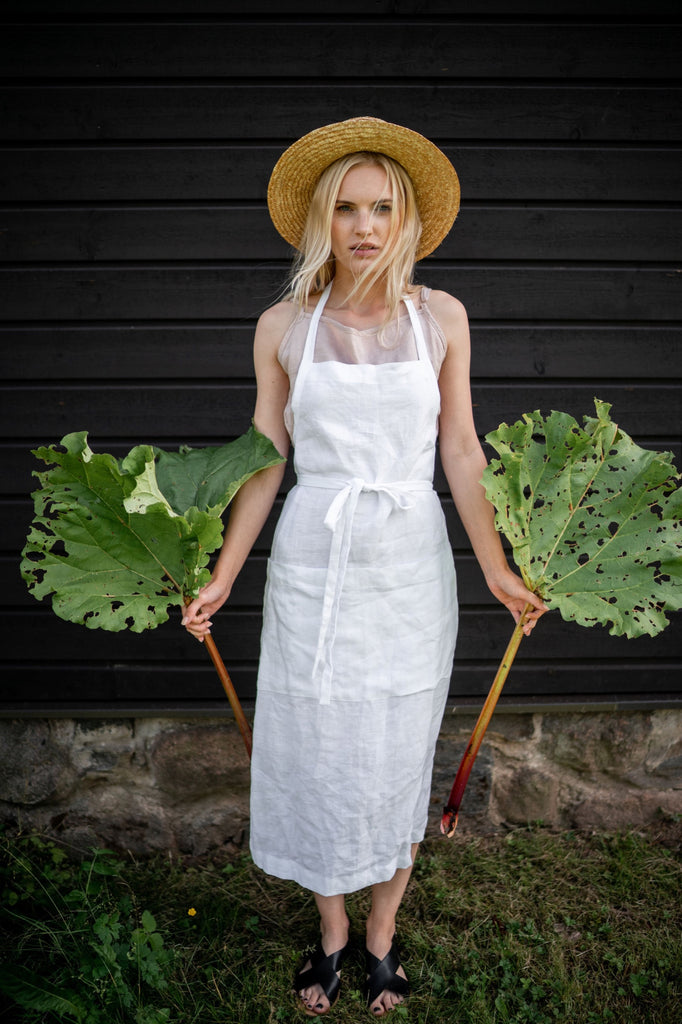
(339, 519)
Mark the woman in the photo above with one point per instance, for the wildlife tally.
(362, 371)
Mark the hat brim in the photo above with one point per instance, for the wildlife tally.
(298, 170)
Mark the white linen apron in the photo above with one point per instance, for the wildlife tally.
(359, 628)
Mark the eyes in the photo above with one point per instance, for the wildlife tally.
(346, 208)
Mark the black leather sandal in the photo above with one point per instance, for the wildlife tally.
(383, 976)
(322, 972)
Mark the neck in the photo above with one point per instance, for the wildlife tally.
(362, 304)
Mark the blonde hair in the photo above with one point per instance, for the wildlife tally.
(313, 268)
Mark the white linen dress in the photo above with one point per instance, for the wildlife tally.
(359, 627)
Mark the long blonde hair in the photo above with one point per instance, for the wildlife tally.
(313, 267)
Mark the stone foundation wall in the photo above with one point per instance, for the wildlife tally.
(607, 770)
(181, 786)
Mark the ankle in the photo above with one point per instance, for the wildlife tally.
(334, 934)
(379, 935)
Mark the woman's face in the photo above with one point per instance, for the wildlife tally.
(361, 222)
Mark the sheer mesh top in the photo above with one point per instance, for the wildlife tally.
(338, 342)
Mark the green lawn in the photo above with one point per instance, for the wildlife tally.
(526, 926)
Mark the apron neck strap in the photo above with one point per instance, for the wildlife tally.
(417, 329)
(309, 348)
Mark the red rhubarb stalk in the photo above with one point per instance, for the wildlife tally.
(448, 822)
(228, 687)
(240, 717)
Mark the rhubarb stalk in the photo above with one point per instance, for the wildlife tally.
(244, 727)
(448, 822)
(228, 687)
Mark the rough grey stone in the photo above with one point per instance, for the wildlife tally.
(622, 809)
(666, 737)
(195, 760)
(598, 742)
(526, 794)
(210, 826)
(119, 818)
(664, 773)
(664, 757)
(102, 747)
(34, 766)
(670, 770)
(512, 728)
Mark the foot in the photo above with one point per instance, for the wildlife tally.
(318, 982)
(387, 983)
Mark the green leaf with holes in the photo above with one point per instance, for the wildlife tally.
(116, 543)
(592, 518)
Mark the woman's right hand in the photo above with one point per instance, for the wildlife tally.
(197, 615)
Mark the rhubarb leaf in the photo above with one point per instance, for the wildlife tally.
(111, 546)
(209, 478)
(592, 518)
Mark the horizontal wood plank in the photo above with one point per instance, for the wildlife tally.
(219, 232)
(483, 635)
(236, 291)
(212, 171)
(140, 352)
(17, 10)
(144, 414)
(319, 48)
(286, 111)
(29, 686)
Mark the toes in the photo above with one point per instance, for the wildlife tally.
(314, 1000)
(385, 1002)
(379, 1007)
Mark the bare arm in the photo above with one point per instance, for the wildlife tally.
(254, 500)
(464, 461)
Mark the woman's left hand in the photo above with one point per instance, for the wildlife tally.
(514, 595)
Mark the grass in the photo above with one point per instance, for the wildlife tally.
(530, 927)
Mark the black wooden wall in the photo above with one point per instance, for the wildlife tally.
(137, 252)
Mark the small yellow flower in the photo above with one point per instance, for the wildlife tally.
(192, 912)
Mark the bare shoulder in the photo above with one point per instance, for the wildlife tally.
(277, 317)
(451, 315)
(273, 325)
(448, 311)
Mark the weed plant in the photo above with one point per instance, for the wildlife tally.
(529, 927)
(75, 946)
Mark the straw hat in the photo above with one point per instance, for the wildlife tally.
(298, 170)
